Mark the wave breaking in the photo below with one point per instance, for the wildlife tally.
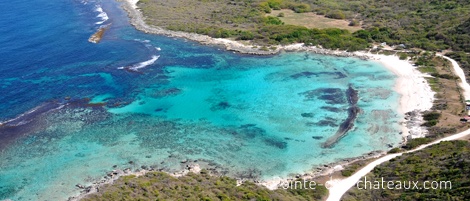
(102, 15)
(140, 65)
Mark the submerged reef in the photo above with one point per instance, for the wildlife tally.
(329, 95)
(37, 119)
(307, 74)
(348, 123)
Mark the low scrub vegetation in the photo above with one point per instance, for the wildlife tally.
(447, 163)
(161, 186)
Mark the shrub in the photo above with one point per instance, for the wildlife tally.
(394, 150)
(275, 4)
(431, 116)
(403, 56)
(413, 143)
(301, 8)
(246, 35)
(272, 20)
(336, 14)
(280, 15)
(264, 6)
(354, 23)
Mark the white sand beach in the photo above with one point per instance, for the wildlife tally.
(416, 94)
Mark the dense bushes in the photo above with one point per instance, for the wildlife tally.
(327, 38)
(161, 186)
(446, 161)
(354, 23)
(431, 118)
(246, 35)
(416, 142)
(272, 21)
(461, 57)
(336, 14)
(284, 4)
(431, 25)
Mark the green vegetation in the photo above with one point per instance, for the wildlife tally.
(336, 14)
(245, 20)
(161, 186)
(416, 142)
(312, 20)
(328, 38)
(462, 58)
(354, 23)
(426, 24)
(446, 161)
(431, 118)
(350, 169)
(444, 116)
(430, 25)
(394, 150)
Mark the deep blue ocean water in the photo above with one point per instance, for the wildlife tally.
(239, 113)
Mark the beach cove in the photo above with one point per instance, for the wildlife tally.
(226, 111)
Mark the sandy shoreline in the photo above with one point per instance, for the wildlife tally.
(415, 93)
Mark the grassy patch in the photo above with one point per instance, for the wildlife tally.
(312, 20)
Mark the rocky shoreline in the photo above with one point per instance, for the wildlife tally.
(195, 166)
(138, 21)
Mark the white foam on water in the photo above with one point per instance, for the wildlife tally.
(143, 64)
(102, 15)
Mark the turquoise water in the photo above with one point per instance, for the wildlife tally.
(239, 113)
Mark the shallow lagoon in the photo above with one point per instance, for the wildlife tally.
(268, 115)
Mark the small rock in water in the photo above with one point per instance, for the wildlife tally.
(317, 137)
